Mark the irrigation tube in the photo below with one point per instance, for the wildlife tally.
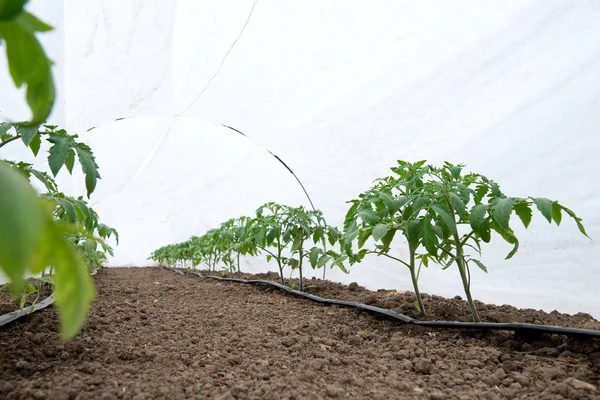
(516, 327)
(15, 315)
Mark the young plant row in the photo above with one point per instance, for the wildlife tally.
(417, 216)
(292, 236)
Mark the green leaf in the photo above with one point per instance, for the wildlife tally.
(501, 210)
(478, 216)
(445, 217)
(578, 220)
(10, 8)
(420, 203)
(369, 217)
(27, 132)
(379, 231)
(401, 201)
(408, 213)
(21, 225)
(58, 152)
(314, 256)
(35, 144)
(480, 265)
(70, 161)
(74, 290)
(349, 236)
(430, 239)
(458, 204)
(5, 127)
(556, 213)
(28, 63)
(293, 263)
(297, 244)
(323, 260)
(88, 166)
(545, 207)
(363, 235)
(485, 232)
(387, 239)
(90, 246)
(69, 209)
(272, 235)
(480, 193)
(524, 212)
(318, 235)
(509, 236)
(333, 235)
(389, 202)
(413, 233)
(455, 170)
(515, 248)
(496, 192)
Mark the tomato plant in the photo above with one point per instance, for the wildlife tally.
(292, 234)
(382, 212)
(464, 210)
(235, 240)
(443, 212)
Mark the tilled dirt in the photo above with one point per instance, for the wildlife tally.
(153, 333)
(436, 307)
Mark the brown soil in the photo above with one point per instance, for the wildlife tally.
(156, 334)
(436, 307)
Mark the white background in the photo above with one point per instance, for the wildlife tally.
(340, 91)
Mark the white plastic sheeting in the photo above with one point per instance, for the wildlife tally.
(340, 91)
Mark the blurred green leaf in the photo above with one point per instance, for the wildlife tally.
(10, 8)
(27, 61)
(20, 222)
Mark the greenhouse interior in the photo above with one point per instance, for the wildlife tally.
(258, 199)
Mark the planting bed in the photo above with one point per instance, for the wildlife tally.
(153, 333)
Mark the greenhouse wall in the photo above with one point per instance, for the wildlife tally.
(511, 89)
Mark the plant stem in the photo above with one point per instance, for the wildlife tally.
(415, 283)
(12, 139)
(279, 261)
(300, 266)
(238, 263)
(462, 268)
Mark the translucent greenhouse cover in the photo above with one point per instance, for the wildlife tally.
(339, 90)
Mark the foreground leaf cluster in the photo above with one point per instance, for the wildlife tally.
(51, 233)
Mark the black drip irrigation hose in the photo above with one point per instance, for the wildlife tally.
(518, 328)
(15, 315)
